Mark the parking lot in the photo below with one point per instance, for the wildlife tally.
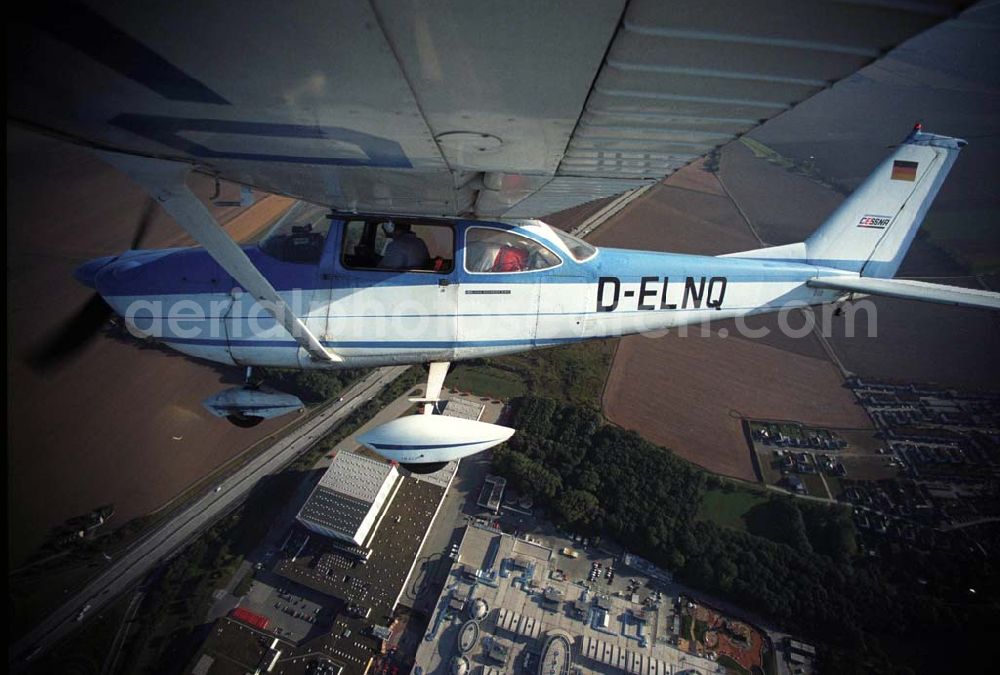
(292, 616)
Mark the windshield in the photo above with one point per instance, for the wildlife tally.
(299, 235)
(578, 248)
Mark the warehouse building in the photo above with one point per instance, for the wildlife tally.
(351, 498)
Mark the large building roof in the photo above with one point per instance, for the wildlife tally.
(334, 511)
(355, 476)
(348, 497)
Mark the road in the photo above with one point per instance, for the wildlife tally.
(188, 523)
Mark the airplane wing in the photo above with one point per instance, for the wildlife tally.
(496, 109)
(911, 290)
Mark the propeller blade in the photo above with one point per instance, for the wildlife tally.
(81, 328)
(148, 212)
(73, 335)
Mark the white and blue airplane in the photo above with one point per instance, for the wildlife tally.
(319, 294)
(462, 125)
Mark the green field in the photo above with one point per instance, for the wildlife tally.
(574, 374)
(687, 623)
(731, 665)
(484, 380)
(803, 168)
(728, 508)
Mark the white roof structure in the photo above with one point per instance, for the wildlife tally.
(356, 476)
(349, 498)
(464, 408)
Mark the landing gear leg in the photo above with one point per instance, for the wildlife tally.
(242, 419)
(435, 382)
(248, 382)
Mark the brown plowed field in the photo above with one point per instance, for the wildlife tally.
(102, 429)
(688, 393)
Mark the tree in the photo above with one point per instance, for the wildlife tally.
(577, 507)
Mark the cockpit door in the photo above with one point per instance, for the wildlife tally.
(394, 314)
(501, 282)
(497, 313)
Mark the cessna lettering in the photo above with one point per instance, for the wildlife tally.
(652, 293)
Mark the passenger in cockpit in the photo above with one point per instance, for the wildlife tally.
(510, 259)
(405, 250)
(489, 251)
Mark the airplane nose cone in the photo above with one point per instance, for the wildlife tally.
(86, 273)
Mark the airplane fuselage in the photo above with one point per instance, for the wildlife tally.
(376, 317)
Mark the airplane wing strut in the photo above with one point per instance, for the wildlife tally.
(165, 181)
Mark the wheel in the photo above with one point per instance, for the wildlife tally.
(244, 421)
(423, 468)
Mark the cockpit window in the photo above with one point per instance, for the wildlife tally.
(578, 248)
(500, 252)
(398, 245)
(298, 237)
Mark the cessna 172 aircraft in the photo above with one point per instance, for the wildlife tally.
(435, 137)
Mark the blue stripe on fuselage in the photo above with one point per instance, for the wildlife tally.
(373, 344)
(193, 271)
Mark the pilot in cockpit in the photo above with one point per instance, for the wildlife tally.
(405, 250)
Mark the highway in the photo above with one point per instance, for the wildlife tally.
(187, 524)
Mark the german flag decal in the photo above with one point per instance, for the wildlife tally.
(904, 170)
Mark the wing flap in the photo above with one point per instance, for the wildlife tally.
(911, 290)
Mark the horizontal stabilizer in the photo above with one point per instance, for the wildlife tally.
(911, 290)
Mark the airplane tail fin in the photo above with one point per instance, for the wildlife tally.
(871, 231)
